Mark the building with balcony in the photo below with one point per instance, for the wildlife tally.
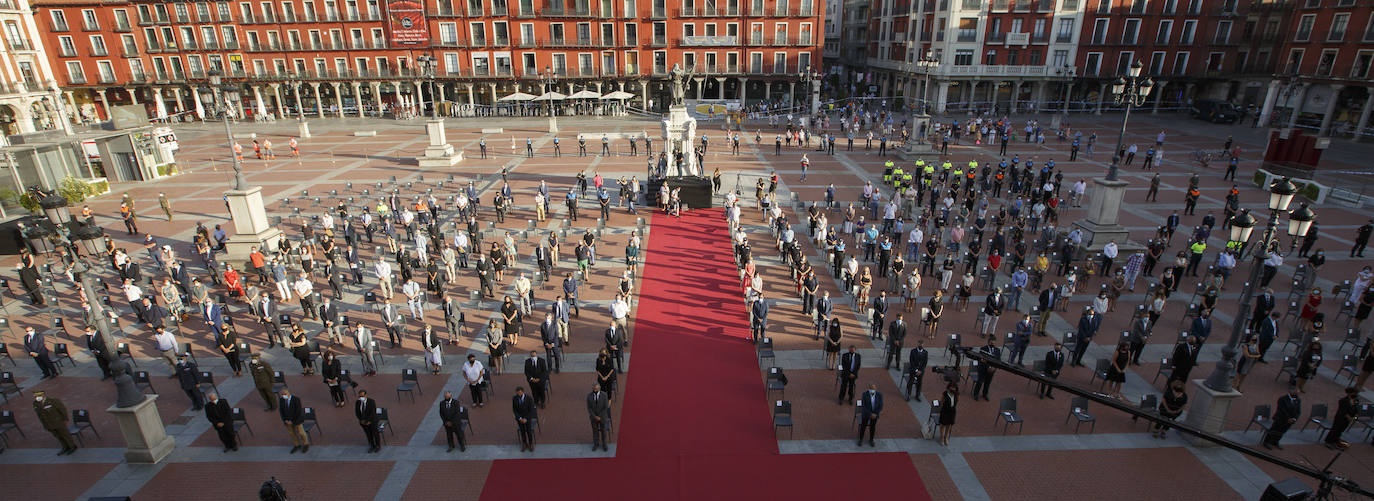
(346, 56)
(1314, 69)
(29, 101)
(998, 54)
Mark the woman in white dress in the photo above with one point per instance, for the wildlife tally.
(434, 350)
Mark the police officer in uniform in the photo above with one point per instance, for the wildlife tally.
(53, 416)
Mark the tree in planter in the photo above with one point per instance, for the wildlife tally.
(75, 190)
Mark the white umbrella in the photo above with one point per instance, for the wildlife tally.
(518, 96)
(585, 94)
(620, 94)
(551, 96)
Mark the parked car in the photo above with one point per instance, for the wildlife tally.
(1215, 111)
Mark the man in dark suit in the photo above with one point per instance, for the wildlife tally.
(809, 287)
(180, 278)
(187, 373)
(1286, 413)
(154, 315)
(266, 310)
(993, 307)
(916, 369)
(1054, 362)
(525, 415)
(879, 318)
(1140, 332)
(292, 413)
(38, 349)
(985, 370)
(1087, 328)
(1048, 297)
(1184, 358)
(219, 414)
(537, 375)
(366, 412)
(1268, 331)
(553, 345)
(329, 317)
(599, 413)
(451, 414)
(849, 371)
(758, 320)
(896, 333)
(453, 317)
(33, 284)
(1264, 303)
(871, 406)
(1202, 326)
(615, 343)
(824, 308)
(95, 341)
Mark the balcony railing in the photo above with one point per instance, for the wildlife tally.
(123, 28)
(62, 26)
(107, 79)
(559, 12)
(129, 51)
(77, 80)
(64, 52)
(659, 42)
(99, 52)
(18, 44)
(138, 77)
(1335, 35)
(89, 26)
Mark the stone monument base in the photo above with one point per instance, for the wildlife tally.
(143, 432)
(250, 223)
(1207, 410)
(439, 153)
(1101, 226)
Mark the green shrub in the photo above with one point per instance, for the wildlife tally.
(8, 196)
(1310, 191)
(28, 202)
(167, 170)
(74, 190)
(99, 187)
(1259, 179)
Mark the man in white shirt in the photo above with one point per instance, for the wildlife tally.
(383, 272)
(523, 292)
(914, 239)
(472, 373)
(305, 289)
(460, 244)
(167, 346)
(620, 310)
(1109, 253)
(415, 298)
(1079, 188)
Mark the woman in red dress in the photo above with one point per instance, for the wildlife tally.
(1309, 307)
(233, 282)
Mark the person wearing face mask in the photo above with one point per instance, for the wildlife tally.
(366, 412)
(53, 416)
(871, 405)
(219, 414)
(331, 370)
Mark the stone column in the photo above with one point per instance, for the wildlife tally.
(493, 93)
(470, 103)
(743, 90)
(791, 93)
(133, 95)
(701, 86)
(357, 97)
(1101, 96)
(376, 94)
(1330, 110)
(159, 104)
(276, 98)
(338, 98)
(942, 96)
(319, 101)
(644, 94)
(1159, 93)
(257, 101)
(1297, 108)
(176, 94)
(768, 91)
(1364, 112)
(1015, 95)
(420, 97)
(105, 102)
(1271, 96)
(200, 107)
(720, 87)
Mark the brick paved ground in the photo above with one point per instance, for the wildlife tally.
(1046, 459)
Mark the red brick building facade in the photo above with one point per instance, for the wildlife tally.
(337, 54)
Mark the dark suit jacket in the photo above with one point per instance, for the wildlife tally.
(218, 412)
(1054, 361)
(523, 406)
(896, 331)
(330, 313)
(871, 403)
(1141, 330)
(1047, 298)
(187, 373)
(991, 351)
(850, 363)
(292, 410)
(537, 368)
(96, 344)
(155, 315)
(450, 411)
(995, 304)
(1184, 358)
(36, 345)
(1087, 326)
(615, 337)
(1268, 329)
(548, 332)
(1287, 408)
(365, 410)
(1263, 306)
(761, 313)
(1202, 327)
(824, 307)
(599, 405)
(916, 361)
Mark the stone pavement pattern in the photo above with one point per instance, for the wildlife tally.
(980, 463)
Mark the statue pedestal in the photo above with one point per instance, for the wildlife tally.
(303, 128)
(1101, 226)
(143, 432)
(553, 125)
(679, 135)
(439, 153)
(1207, 410)
(250, 224)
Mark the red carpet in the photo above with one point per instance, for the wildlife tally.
(695, 424)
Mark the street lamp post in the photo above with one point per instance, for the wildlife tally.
(427, 65)
(216, 98)
(1131, 90)
(1280, 195)
(302, 127)
(927, 63)
(1067, 74)
(547, 79)
(812, 80)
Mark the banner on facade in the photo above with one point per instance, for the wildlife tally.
(406, 20)
(715, 41)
